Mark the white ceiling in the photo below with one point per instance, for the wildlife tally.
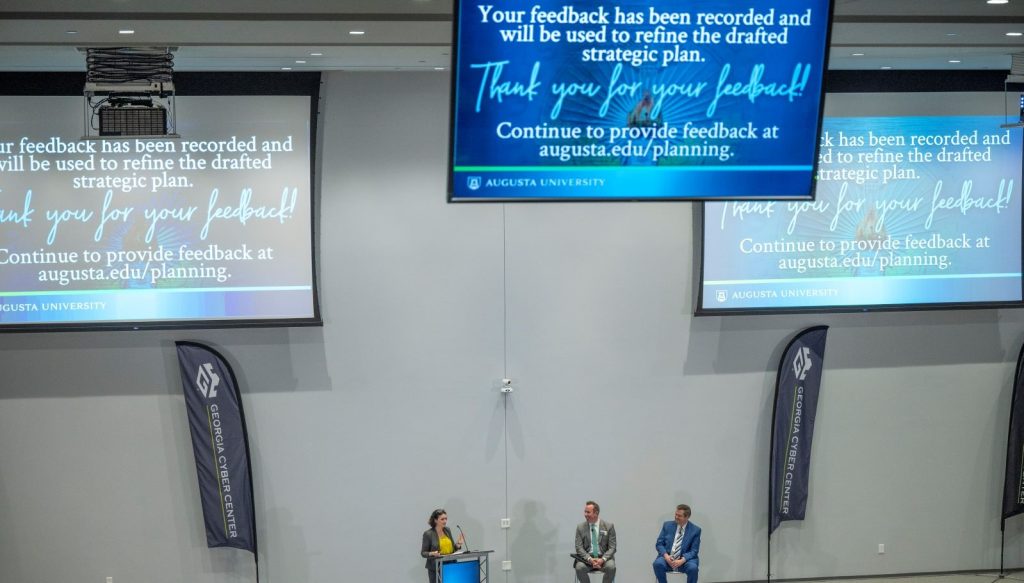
(267, 35)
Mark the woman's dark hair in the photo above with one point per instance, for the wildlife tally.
(434, 516)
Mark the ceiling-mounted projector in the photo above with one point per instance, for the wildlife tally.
(129, 92)
(122, 113)
(1015, 77)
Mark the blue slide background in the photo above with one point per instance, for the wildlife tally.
(485, 166)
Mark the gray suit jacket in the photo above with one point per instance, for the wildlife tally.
(431, 544)
(605, 540)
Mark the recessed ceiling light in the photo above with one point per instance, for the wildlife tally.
(300, 62)
(70, 32)
(439, 68)
(857, 55)
(886, 68)
(357, 32)
(126, 31)
(998, 1)
(316, 54)
(951, 34)
(953, 61)
(286, 68)
(1014, 33)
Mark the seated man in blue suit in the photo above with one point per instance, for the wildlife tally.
(678, 545)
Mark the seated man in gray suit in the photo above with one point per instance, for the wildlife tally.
(595, 545)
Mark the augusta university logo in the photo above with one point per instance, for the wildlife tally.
(207, 380)
(473, 182)
(802, 363)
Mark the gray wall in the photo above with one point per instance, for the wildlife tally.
(362, 427)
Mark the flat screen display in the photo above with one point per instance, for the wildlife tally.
(910, 211)
(636, 100)
(212, 228)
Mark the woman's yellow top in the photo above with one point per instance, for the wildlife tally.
(445, 545)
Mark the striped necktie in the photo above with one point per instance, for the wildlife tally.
(677, 545)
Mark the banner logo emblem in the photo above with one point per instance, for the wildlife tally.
(720, 295)
(473, 182)
(802, 363)
(207, 381)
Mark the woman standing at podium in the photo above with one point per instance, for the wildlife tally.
(437, 541)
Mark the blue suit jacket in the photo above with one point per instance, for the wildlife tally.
(691, 540)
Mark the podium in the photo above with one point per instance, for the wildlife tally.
(467, 567)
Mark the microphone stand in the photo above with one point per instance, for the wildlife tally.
(465, 541)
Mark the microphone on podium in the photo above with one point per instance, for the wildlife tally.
(465, 541)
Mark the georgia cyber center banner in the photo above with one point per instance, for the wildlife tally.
(221, 446)
(637, 99)
(796, 403)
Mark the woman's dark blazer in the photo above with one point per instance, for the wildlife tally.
(431, 544)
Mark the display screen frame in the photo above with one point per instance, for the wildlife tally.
(219, 84)
(919, 83)
(805, 194)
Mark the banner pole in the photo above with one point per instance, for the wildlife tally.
(771, 465)
(769, 579)
(771, 459)
(248, 462)
(1002, 546)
